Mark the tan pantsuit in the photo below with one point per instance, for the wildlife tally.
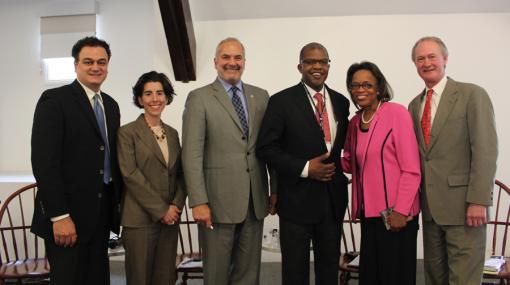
(150, 186)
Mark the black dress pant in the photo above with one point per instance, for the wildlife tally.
(295, 246)
(387, 258)
(86, 262)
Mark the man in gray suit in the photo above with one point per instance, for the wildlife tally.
(456, 133)
(227, 185)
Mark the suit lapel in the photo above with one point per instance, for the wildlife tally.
(84, 103)
(415, 111)
(221, 95)
(147, 137)
(303, 102)
(173, 148)
(109, 113)
(335, 103)
(448, 99)
(251, 102)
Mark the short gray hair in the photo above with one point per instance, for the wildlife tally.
(438, 41)
(226, 40)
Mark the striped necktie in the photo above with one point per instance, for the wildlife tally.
(238, 106)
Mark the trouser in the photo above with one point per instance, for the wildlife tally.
(386, 257)
(453, 255)
(295, 241)
(86, 262)
(232, 252)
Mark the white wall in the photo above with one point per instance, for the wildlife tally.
(20, 80)
(478, 45)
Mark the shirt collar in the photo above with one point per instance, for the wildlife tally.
(227, 85)
(90, 93)
(439, 87)
(312, 91)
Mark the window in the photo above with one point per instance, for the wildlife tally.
(59, 69)
(58, 35)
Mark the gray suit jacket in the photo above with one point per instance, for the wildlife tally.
(219, 162)
(150, 184)
(459, 165)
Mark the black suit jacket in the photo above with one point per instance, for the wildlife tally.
(290, 136)
(67, 160)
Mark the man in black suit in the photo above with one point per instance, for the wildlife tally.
(301, 138)
(74, 163)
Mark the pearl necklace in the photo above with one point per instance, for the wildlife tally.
(372, 117)
(163, 133)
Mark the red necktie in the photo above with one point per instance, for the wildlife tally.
(322, 114)
(425, 118)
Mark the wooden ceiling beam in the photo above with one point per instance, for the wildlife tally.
(180, 38)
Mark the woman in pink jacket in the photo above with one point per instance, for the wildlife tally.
(381, 153)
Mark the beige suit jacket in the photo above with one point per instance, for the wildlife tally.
(219, 162)
(459, 165)
(150, 185)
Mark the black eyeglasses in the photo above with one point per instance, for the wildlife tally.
(364, 85)
(309, 61)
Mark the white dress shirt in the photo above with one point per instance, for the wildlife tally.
(331, 119)
(436, 97)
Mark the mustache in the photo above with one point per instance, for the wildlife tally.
(231, 67)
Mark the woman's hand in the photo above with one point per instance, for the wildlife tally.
(172, 215)
(397, 221)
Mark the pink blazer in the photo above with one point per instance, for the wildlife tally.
(390, 168)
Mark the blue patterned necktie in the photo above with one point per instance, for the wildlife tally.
(238, 105)
(98, 111)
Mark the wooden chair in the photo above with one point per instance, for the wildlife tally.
(22, 256)
(189, 246)
(498, 228)
(350, 230)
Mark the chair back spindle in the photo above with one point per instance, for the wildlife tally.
(22, 255)
(499, 221)
(188, 241)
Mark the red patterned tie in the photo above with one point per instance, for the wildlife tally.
(322, 112)
(425, 118)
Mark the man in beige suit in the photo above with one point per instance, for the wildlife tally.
(456, 133)
(227, 185)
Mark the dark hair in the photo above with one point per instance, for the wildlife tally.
(89, 42)
(153, 76)
(384, 91)
(312, 45)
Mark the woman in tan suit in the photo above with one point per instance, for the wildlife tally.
(149, 157)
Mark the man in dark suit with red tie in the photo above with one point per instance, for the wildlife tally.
(74, 163)
(301, 137)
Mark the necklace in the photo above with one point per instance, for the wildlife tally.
(163, 133)
(372, 117)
